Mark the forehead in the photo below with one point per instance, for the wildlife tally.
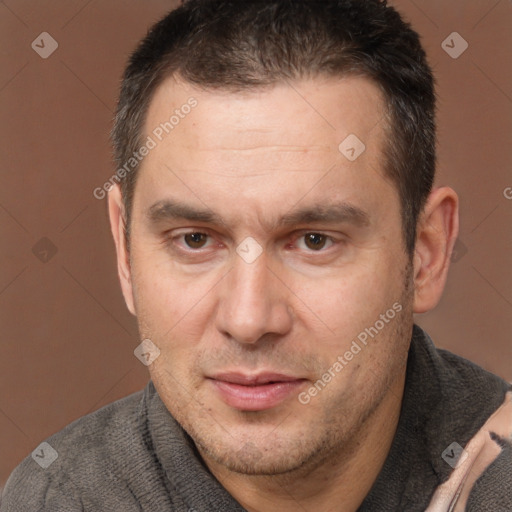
(318, 136)
(304, 113)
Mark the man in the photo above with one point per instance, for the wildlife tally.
(276, 228)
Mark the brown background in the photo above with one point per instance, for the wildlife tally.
(67, 339)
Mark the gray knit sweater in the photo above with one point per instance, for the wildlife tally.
(132, 456)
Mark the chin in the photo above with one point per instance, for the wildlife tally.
(256, 452)
(251, 460)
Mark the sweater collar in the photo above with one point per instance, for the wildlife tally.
(446, 399)
(186, 473)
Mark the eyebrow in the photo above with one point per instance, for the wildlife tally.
(173, 210)
(330, 214)
(336, 213)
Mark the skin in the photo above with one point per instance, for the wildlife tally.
(252, 159)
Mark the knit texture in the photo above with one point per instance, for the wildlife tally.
(132, 456)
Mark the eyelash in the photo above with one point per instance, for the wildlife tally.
(329, 239)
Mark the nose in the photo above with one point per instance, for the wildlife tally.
(253, 302)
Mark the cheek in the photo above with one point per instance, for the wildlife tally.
(159, 282)
(173, 315)
(165, 301)
(353, 298)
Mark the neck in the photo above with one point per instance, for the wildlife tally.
(340, 481)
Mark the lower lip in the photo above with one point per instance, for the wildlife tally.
(256, 398)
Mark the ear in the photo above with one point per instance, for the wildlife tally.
(437, 232)
(118, 225)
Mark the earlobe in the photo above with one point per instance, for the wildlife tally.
(436, 234)
(118, 226)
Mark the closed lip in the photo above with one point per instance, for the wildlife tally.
(254, 379)
(255, 392)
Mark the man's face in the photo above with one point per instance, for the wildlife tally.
(260, 250)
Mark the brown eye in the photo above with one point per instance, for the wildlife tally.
(195, 240)
(315, 241)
